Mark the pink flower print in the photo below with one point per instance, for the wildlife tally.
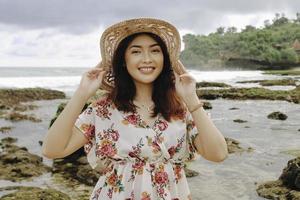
(110, 192)
(145, 196)
(112, 179)
(115, 135)
(162, 125)
(161, 177)
(177, 172)
(131, 154)
(107, 150)
(133, 119)
(161, 192)
(103, 102)
(89, 130)
(172, 151)
(138, 167)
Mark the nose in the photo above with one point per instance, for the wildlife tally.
(147, 58)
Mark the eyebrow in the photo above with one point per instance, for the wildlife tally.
(138, 46)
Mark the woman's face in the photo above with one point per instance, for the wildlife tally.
(144, 59)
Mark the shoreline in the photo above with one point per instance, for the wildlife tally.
(232, 178)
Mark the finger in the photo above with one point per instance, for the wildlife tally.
(100, 75)
(95, 71)
(181, 68)
(177, 78)
(187, 77)
(99, 65)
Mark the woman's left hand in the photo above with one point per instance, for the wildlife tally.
(185, 85)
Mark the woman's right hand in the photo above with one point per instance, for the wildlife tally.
(91, 80)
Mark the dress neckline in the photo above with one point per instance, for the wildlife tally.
(137, 119)
(144, 124)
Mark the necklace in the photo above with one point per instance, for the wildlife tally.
(148, 108)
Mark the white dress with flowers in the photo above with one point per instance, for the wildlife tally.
(143, 162)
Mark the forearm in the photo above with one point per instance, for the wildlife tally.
(60, 132)
(209, 142)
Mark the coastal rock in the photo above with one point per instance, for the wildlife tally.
(75, 166)
(12, 97)
(239, 121)
(287, 187)
(207, 105)
(250, 93)
(17, 164)
(16, 116)
(5, 129)
(190, 173)
(282, 82)
(233, 108)
(291, 174)
(234, 146)
(22, 108)
(211, 84)
(33, 193)
(277, 115)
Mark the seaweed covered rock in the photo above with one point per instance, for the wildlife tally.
(33, 193)
(239, 121)
(75, 166)
(17, 164)
(233, 146)
(11, 97)
(16, 116)
(251, 93)
(291, 174)
(11, 102)
(277, 115)
(287, 187)
(283, 82)
(211, 84)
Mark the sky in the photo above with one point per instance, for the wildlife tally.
(55, 33)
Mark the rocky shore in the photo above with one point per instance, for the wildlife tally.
(18, 165)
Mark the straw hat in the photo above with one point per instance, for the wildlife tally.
(114, 34)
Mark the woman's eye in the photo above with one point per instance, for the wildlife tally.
(135, 52)
(156, 50)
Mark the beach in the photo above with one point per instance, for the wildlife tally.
(236, 178)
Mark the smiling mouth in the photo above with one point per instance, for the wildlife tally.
(146, 69)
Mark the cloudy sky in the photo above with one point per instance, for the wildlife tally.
(67, 32)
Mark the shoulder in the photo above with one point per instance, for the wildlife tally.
(101, 100)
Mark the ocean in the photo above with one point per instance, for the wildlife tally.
(66, 79)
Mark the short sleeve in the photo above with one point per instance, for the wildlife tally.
(86, 125)
(191, 133)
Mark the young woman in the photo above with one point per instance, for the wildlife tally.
(148, 123)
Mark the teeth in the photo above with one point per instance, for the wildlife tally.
(146, 68)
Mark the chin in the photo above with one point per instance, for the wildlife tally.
(145, 79)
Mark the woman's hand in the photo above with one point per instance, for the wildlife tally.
(91, 80)
(185, 85)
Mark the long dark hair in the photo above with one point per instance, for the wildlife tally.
(164, 94)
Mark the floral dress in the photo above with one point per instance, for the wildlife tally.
(140, 161)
